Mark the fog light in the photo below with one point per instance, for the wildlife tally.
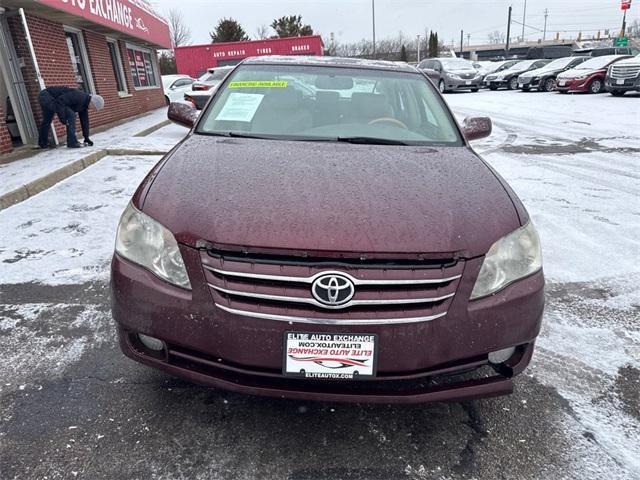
(151, 343)
(501, 356)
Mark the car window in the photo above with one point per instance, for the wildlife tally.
(561, 62)
(423, 64)
(183, 82)
(324, 103)
(522, 65)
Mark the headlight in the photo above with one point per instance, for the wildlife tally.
(500, 77)
(514, 256)
(146, 242)
(454, 76)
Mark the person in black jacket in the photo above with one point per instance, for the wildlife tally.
(66, 102)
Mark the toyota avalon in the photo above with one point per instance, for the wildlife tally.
(326, 232)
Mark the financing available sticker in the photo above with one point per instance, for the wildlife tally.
(259, 84)
(329, 355)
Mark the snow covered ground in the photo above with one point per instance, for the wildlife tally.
(16, 174)
(574, 161)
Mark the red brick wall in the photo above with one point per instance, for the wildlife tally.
(5, 137)
(52, 53)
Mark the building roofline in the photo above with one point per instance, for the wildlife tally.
(266, 40)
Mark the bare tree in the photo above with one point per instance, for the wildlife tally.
(496, 37)
(180, 33)
(263, 32)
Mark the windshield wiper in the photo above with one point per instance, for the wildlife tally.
(371, 141)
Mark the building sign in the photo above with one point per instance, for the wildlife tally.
(133, 17)
(625, 5)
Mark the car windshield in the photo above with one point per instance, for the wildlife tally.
(559, 63)
(456, 64)
(295, 102)
(596, 63)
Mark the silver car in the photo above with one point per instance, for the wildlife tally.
(450, 74)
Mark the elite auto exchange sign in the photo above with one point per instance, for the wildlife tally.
(133, 17)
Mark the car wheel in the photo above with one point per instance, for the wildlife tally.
(595, 86)
(549, 85)
(526, 89)
(617, 93)
(493, 87)
(441, 86)
(474, 90)
(513, 83)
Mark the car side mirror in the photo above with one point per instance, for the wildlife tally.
(183, 114)
(476, 127)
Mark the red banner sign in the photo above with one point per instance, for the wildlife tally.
(133, 17)
(626, 5)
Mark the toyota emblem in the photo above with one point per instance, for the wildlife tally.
(332, 289)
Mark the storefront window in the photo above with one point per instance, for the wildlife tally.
(116, 63)
(78, 60)
(142, 67)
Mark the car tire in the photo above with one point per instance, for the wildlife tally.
(512, 84)
(596, 86)
(441, 87)
(493, 87)
(548, 85)
(617, 93)
(526, 89)
(474, 90)
(563, 92)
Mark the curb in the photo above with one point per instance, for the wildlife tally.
(43, 183)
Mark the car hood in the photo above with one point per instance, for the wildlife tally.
(330, 197)
(578, 72)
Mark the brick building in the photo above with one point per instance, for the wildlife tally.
(105, 47)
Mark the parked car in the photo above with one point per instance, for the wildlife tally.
(495, 67)
(509, 78)
(174, 87)
(544, 79)
(450, 74)
(623, 76)
(211, 78)
(205, 85)
(588, 77)
(327, 246)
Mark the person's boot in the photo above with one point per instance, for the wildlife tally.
(75, 145)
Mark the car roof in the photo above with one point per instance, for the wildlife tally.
(330, 62)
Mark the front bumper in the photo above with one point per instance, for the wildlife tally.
(462, 84)
(497, 84)
(628, 85)
(573, 86)
(419, 362)
(527, 83)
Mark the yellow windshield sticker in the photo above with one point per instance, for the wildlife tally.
(259, 84)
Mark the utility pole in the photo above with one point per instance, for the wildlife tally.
(624, 24)
(468, 39)
(373, 18)
(524, 19)
(418, 47)
(544, 33)
(461, 42)
(506, 50)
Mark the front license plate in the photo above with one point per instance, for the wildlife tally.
(331, 356)
(620, 81)
(468, 82)
(521, 84)
(562, 83)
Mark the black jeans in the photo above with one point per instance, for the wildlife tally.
(46, 104)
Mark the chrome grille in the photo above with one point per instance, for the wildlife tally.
(392, 292)
(625, 71)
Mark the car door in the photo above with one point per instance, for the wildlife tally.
(427, 68)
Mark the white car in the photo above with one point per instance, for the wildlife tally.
(175, 87)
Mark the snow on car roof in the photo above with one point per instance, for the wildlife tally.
(330, 62)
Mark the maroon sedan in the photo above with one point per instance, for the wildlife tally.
(588, 77)
(326, 232)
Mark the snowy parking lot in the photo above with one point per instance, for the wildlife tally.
(72, 406)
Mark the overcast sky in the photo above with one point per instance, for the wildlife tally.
(350, 20)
